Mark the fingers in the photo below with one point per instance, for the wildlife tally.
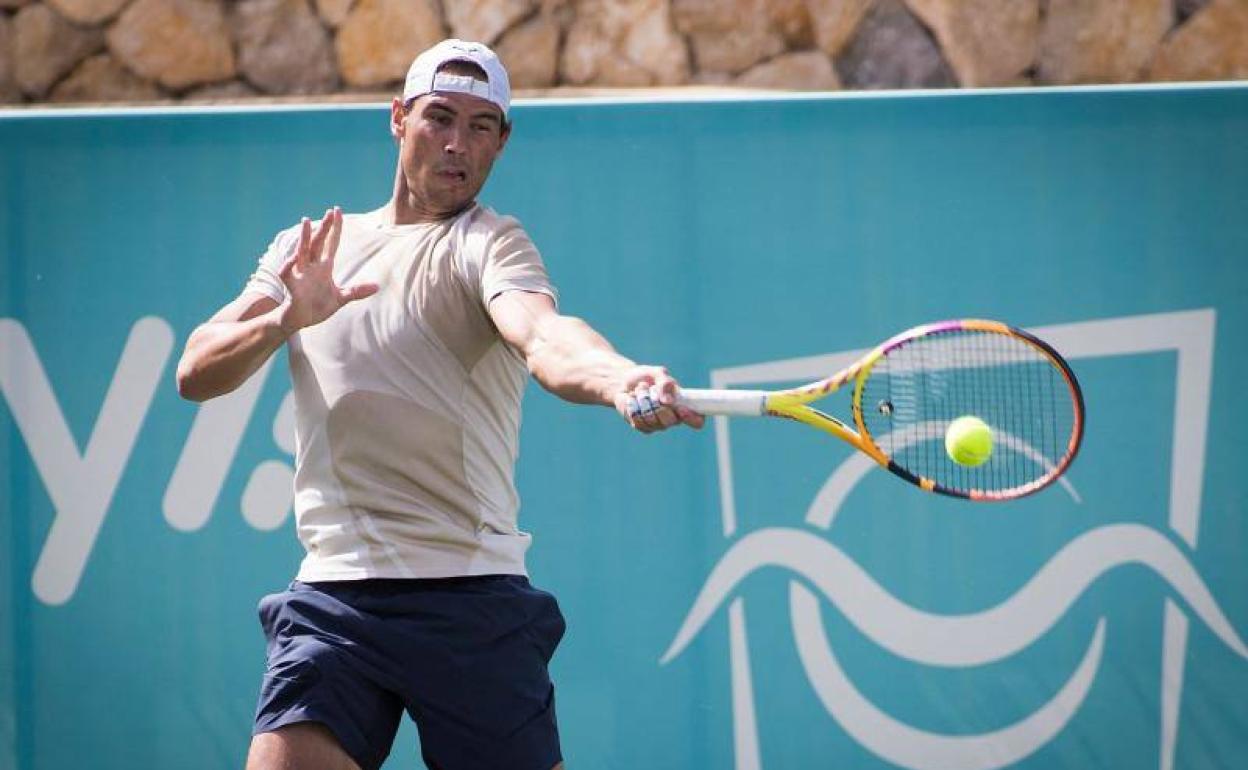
(286, 271)
(316, 247)
(665, 388)
(645, 413)
(689, 417)
(335, 232)
(668, 392)
(650, 403)
(303, 250)
(664, 412)
(359, 291)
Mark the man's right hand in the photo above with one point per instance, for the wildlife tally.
(228, 348)
(309, 276)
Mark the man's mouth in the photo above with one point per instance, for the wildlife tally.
(452, 174)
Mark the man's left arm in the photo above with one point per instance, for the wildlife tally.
(574, 362)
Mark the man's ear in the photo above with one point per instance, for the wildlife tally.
(503, 135)
(397, 115)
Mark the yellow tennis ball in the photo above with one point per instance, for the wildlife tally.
(968, 441)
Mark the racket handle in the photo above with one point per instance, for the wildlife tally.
(737, 403)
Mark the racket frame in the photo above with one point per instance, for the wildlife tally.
(793, 404)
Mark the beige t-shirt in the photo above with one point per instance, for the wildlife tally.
(408, 402)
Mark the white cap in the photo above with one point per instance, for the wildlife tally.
(423, 76)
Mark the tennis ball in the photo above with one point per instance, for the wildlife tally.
(968, 441)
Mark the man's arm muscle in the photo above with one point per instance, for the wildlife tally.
(229, 347)
(574, 362)
(564, 354)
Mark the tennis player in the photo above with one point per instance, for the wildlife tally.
(410, 330)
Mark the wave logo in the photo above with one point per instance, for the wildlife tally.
(997, 632)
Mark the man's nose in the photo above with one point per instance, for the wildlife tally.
(457, 140)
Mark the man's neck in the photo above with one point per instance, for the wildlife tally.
(399, 212)
(404, 209)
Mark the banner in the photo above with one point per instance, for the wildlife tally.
(754, 595)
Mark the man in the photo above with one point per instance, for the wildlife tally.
(410, 330)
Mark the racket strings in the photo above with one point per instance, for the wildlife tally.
(916, 390)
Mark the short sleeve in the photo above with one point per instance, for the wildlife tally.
(267, 279)
(512, 263)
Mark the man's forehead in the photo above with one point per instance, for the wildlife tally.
(458, 102)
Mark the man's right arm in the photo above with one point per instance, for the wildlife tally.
(222, 353)
(227, 349)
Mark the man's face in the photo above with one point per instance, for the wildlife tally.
(447, 146)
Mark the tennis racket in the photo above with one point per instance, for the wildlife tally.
(908, 390)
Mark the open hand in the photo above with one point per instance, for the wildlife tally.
(309, 276)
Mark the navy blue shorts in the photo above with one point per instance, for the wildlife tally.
(465, 657)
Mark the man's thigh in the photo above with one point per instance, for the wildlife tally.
(480, 693)
(320, 672)
(301, 746)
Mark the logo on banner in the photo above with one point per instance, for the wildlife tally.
(81, 482)
(993, 633)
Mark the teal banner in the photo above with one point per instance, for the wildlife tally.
(754, 595)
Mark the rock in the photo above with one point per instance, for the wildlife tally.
(379, 39)
(791, 18)
(14, 3)
(101, 78)
(802, 71)
(836, 22)
(1100, 41)
(735, 50)
(589, 56)
(652, 43)
(177, 43)
(9, 92)
(333, 11)
(583, 50)
(87, 11)
(282, 47)
(624, 43)
(1184, 9)
(987, 42)
(893, 50)
(788, 21)
(1212, 45)
(530, 52)
(715, 79)
(727, 35)
(484, 20)
(46, 47)
(233, 91)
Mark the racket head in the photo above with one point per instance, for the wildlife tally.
(908, 390)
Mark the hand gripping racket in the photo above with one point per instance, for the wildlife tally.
(908, 390)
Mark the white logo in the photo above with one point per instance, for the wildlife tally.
(994, 633)
(81, 483)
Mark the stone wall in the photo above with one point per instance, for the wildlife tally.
(191, 50)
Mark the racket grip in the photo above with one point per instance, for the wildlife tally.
(737, 403)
